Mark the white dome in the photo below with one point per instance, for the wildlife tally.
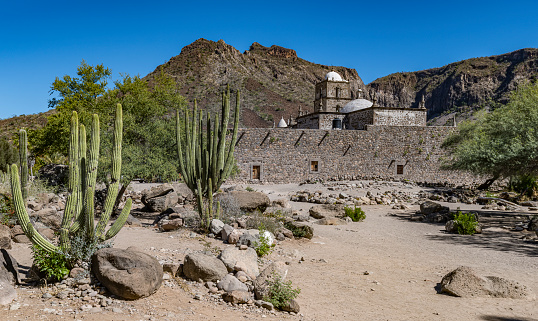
(355, 105)
(282, 123)
(333, 76)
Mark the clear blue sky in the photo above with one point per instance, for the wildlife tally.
(40, 40)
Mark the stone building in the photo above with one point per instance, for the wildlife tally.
(346, 138)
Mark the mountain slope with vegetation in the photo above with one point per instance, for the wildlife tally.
(274, 81)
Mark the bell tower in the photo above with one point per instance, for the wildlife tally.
(332, 93)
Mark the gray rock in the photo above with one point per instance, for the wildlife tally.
(465, 282)
(9, 268)
(161, 203)
(225, 232)
(49, 217)
(327, 210)
(249, 238)
(264, 304)
(261, 283)
(5, 237)
(231, 256)
(237, 297)
(281, 202)
(21, 239)
(450, 226)
(331, 221)
(170, 225)
(133, 221)
(234, 237)
(198, 266)
(306, 231)
(292, 306)
(216, 226)
(156, 191)
(127, 273)
(230, 283)
(429, 207)
(248, 201)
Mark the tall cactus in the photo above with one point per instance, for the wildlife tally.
(205, 159)
(23, 160)
(79, 211)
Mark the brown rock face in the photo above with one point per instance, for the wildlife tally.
(462, 86)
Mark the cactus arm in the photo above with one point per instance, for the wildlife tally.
(179, 141)
(115, 177)
(222, 133)
(23, 158)
(91, 178)
(230, 158)
(73, 186)
(120, 221)
(22, 214)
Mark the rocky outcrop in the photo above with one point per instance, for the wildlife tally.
(460, 86)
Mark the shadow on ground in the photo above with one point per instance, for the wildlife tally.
(498, 318)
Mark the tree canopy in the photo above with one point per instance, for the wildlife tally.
(502, 143)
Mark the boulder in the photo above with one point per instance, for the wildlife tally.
(49, 217)
(230, 283)
(292, 306)
(261, 284)
(129, 274)
(231, 256)
(465, 282)
(216, 226)
(183, 191)
(430, 207)
(237, 297)
(331, 221)
(450, 226)
(281, 202)
(9, 268)
(225, 232)
(156, 191)
(249, 238)
(327, 210)
(21, 238)
(133, 221)
(166, 225)
(300, 229)
(159, 198)
(5, 237)
(248, 201)
(198, 266)
(234, 237)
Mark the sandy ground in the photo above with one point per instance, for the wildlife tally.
(405, 261)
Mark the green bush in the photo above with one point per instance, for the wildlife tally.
(465, 223)
(299, 231)
(263, 246)
(7, 211)
(356, 214)
(280, 293)
(53, 264)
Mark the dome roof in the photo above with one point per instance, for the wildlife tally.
(333, 76)
(282, 123)
(355, 105)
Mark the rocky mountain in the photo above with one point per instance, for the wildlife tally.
(460, 87)
(274, 82)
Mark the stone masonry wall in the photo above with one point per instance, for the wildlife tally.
(287, 155)
(399, 117)
(359, 119)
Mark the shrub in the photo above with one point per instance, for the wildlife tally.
(229, 208)
(465, 223)
(53, 264)
(279, 292)
(249, 189)
(263, 246)
(356, 214)
(7, 211)
(299, 231)
(269, 223)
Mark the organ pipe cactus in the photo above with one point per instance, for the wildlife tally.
(23, 160)
(205, 159)
(79, 210)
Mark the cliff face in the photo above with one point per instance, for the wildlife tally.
(274, 82)
(460, 87)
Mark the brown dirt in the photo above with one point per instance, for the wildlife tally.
(405, 261)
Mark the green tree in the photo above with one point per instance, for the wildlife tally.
(8, 154)
(499, 144)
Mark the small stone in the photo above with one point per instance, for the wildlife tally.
(117, 310)
(95, 310)
(243, 247)
(14, 306)
(46, 295)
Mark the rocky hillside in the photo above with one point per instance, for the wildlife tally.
(10, 126)
(274, 82)
(460, 87)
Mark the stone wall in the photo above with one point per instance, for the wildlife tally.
(359, 119)
(318, 120)
(399, 116)
(327, 98)
(288, 155)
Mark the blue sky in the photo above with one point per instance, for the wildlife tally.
(40, 40)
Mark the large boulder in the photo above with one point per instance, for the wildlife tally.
(430, 207)
(327, 211)
(7, 293)
(465, 282)
(183, 191)
(248, 201)
(261, 284)
(9, 268)
(159, 198)
(331, 221)
(5, 237)
(235, 259)
(129, 274)
(216, 226)
(300, 229)
(198, 266)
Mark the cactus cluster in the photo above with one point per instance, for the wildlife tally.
(79, 210)
(205, 159)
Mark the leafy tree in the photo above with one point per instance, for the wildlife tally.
(500, 144)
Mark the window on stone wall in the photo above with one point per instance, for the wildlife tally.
(256, 171)
(399, 169)
(314, 166)
(337, 92)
